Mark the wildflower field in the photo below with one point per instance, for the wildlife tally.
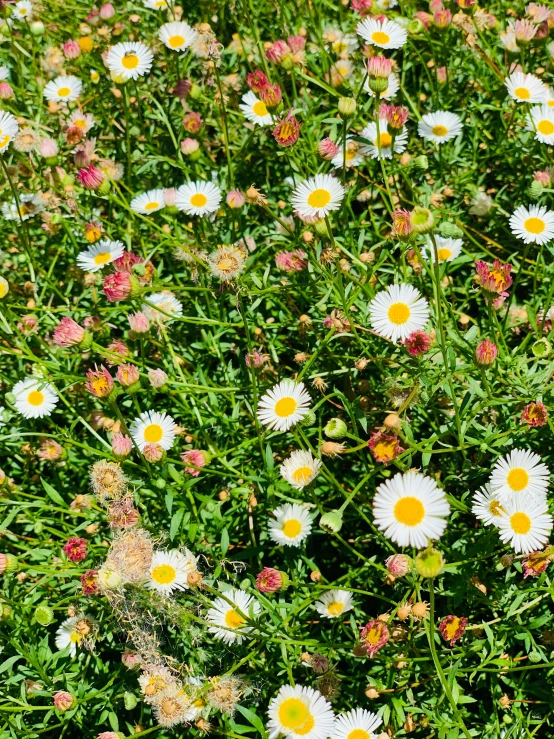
(277, 374)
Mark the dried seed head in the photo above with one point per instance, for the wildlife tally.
(107, 481)
(420, 610)
(332, 448)
(131, 554)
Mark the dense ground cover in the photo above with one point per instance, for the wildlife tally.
(276, 311)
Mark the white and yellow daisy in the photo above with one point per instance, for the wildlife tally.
(520, 475)
(228, 616)
(334, 603)
(177, 35)
(148, 202)
(169, 570)
(198, 198)
(152, 427)
(291, 524)
(549, 98)
(382, 144)
(534, 225)
(99, 255)
(162, 308)
(84, 121)
(440, 126)
(385, 34)
(8, 128)
(525, 525)
(344, 43)
(357, 724)
(300, 713)
(29, 206)
(155, 4)
(317, 196)
(398, 311)
(22, 10)
(69, 634)
(34, 398)
(129, 59)
(300, 469)
(390, 91)
(255, 110)
(410, 509)
(447, 249)
(63, 89)
(525, 88)
(541, 122)
(353, 155)
(486, 506)
(284, 405)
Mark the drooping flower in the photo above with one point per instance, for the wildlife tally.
(536, 563)
(384, 446)
(75, 549)
(68, 333)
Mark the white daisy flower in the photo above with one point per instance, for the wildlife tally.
(541, 122)
(386, 5)
(22, 10)
(129, 59)
(155, 4)
(353, 155)
(549, 98)
(410, 509)
(391, 90)
(148, 202)
(300, 469)
(284, 405)
(198, 198)
(8, 128)
(385, 34)
(152, 427)
(34, 398)
(447, 249)
(255, 110)
(63, 89)
(98, 255)
(520, 475)
(525, 525)
(163, 309)
(70, 635)
(317, 196)
(85, 121)
(534, 225)
(356, 724)
(334, 603)
(526, 88)
(169, 570)
(177, 35)
(229, 620)
(440, 126)
(291, 525)
(300, 713)
(345, 43)
(383, 141)
(486, 506)
(398, 311)
(29, 206)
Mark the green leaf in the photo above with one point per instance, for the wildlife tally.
(253, 718)
(269, 461)
(176, 522)
(53, 494)
(114, 722)
(224, 541)
(9, 662)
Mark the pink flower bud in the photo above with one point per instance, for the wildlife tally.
(271, 95)
(75, 549)
(117, 286)
(235, 199)
(189, 146)
(152, 452)
(485, 353)
(71, 50)
(139, 323)
(99, 382)
(169, 196)
(269, 580)
(50, 450)
(402, 223)
(417, 343)
(107, 11)
(48, 148)
(127, 375)
(495, 278)
(287, 131)
(6, 91)
(192, 122)
(442, 75)
(398, 565)
(327, 149)
(107, 735)
(363, 7)
(296, 43)
(291, 261)
(63, 700)
(120, 349)
(435, 6)
(90, 177)
(68, 333)
(157, 377)
(131, 660)
(442, 18)
(122, 445)
(256, 80)
(195, 457)
(379, 67)
(3, 563)
(542, 177)
(278, 52)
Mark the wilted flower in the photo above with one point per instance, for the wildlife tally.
(75, 549)
(452, 628)
(495, 279)
(127, 375)
(235, 199)
(536, 563)
(535, 414)
(122, 445)
(401, 224)
(227, 262)
(192, 122)
(91, 177)
(417, 343)
(384, 446)
(287, 130)
(89, 582)
(256, 80)
(50, 450)
(278, 52)
(99, 382)
(374, 636)
(291, 261)
(195, 459)
(68, 333)
(139, 323)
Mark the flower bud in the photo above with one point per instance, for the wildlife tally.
(44, 615)
(486, 353)
(327, 149)
(331, 521)
(309, 419)
(542, 348)
(421, 162)
(398, 564)
(429, 562)
(336, 428)
(535, 190)
(347, 106)
(450, 230)
(271, 580)
(37, 28)
(422, 220)
(129, 700)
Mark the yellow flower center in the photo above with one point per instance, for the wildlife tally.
(546, 127)
(160, 4)
(358, 734)
(102, 257)
(335, 608)
(350, 154)
(198, 200)
(260, 108)
(163, 574)
(373, 636)
(4, 141)
(385, 140)
(153, 433)
(75, 638)
(302, 474)
(63, 92)
(399, 313)
(409, 511)
(444, 254)
(152, 206)
(292, 528)
(517, 479)
(380, 37)
(285, 407)
(319, 198)
(176, 41)
(452, 627)
(294, 714)
(130, 61)
(440, 130)
(520, 523)
(227, 264)
(522, 93)
(35, 398)
(534, 225)
(233, 620)
(495, 508)
(385, 449)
